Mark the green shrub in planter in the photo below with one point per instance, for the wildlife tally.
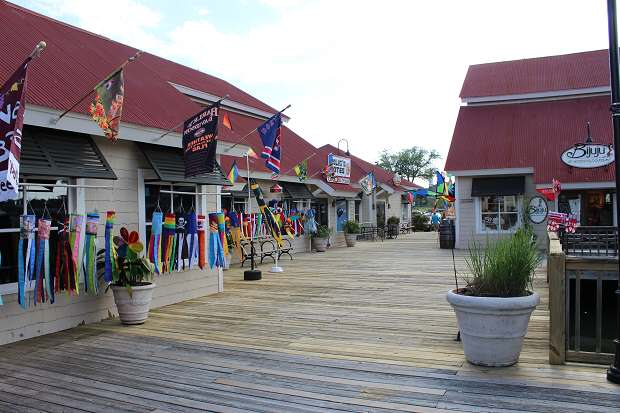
(322, 231)
(351, 227)
(393, 221)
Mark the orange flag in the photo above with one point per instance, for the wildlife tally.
(226, 121)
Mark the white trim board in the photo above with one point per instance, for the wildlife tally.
(547, 95)
(77, 122)
(489, 172)
(228, 103)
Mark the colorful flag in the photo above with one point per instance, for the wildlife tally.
(252, 154)
(266, 213)
(107, 108)
(301, 170)
(270, 134)
(200, 141)
(233, 174)
(226, 121)
(12, 105)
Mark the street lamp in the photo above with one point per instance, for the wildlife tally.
(613, 373)
(338, 145)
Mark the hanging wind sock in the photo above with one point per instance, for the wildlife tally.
(192, 239)
(168, 242)
(75, 240)
(110, 249)
(25, 263)
(235, 232)
(216, 250)
(90, 254)
(310, 226)
(270, 222)
(181, 244)
(154, 249)
(221, 227)
(200, 224)
(65, 268)
(44, 288)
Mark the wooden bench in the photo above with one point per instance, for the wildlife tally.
(265, 247)
(406, 228)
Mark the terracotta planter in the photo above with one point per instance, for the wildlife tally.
(134, 308)
(320, 244)
(351, 239)
(492, 328)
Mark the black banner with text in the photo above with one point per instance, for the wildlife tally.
(200, 142)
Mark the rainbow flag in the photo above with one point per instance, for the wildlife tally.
(233, 174)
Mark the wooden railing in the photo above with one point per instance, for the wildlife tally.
(582, 305)
(590, 241)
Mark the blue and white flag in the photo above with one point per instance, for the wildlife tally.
(270, 134)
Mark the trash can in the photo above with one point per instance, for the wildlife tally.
(447, 234)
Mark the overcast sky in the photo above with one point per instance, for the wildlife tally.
(382, 74)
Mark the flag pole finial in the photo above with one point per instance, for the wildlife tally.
(38, 49)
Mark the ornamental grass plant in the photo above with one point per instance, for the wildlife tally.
(503, 268)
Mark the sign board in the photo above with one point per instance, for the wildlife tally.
(588, 155)
(537, 210)
(339, 169)
(200, 142)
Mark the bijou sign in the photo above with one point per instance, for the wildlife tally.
(588, 155)
(537, 210)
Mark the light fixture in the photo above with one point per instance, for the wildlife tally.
(347, 152)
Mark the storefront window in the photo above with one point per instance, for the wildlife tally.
(50, 201)
(358, 206)
(498, 213)
(320, 207)
(155, 199)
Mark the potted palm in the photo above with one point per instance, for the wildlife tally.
(132, 275)
(493, 310)
(351, 229)
(320, 237)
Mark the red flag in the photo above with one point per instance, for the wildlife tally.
(548, 193)
(12, 95)
(226, 121)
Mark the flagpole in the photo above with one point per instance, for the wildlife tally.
(252, 131)
(182, 122)
(303, 160)
(121, 67)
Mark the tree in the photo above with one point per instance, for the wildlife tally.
(415, 162)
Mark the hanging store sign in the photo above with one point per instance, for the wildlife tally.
(339, 169)
(200, 142)
(537, 210)
(588, 155)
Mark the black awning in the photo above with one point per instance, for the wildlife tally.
(167, 162)
(293, 190)
(511, 185)
(50, 152)
(237, 194)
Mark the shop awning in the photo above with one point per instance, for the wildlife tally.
(242, 193)
(512, 185)
(293, 190)
(48, 152)
(167, 162)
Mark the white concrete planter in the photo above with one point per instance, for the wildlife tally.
(492, 328)
(351, 239)
(320, 244)
(133, 309)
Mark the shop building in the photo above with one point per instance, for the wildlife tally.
(523, 124)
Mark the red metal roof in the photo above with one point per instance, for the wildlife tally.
(531, 135)
(75, 60)
(542, 74)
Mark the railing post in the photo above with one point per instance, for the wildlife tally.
(556, 274)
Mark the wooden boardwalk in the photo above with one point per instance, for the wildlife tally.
(365, 330)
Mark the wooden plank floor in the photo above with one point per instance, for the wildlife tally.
(365, 330)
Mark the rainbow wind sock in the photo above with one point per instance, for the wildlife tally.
(44, 287)
(221, 228)
(192, 239)
(168, 242)
(24, 264)
(110, 249)
(216, 251)
(75, 241)
(202, 262)
(154, 249)
(90, 254)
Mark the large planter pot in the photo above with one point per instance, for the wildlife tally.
(134, 308)
(351, 239)
(320, 244)
(492, 328)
